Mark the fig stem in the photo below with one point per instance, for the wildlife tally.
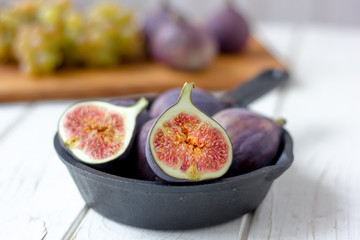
(140, 105)
(186, 91)
(280, 121)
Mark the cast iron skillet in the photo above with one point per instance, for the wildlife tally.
(162, 206)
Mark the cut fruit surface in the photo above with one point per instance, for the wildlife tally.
(191, 145)
(97, 132)
(186, 144)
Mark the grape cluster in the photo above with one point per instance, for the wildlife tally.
(42, 36)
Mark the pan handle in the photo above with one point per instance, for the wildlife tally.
(255, 88)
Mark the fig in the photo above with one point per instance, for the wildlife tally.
(98, 132)
(155, 20)
(144, 170)
(229, 28)
(255, 139)
(186, 145)
(182, 46)
(143, 117)
(202, 99)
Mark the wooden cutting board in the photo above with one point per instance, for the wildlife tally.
(225, 73)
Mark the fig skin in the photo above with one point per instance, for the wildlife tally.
(156, 19)
(184, 145)
(230, 30)
(202, 99)
(144, 170)
(143, 117)
(182, 46)
(255, 139)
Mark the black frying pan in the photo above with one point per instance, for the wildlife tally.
(160, 206)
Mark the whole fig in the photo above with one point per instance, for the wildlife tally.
(144, 170)
(182, 46)
(255, 139)
(202, 99)
(156, 19)
(229, 28)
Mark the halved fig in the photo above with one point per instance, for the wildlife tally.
(97, 132)
(185, 144)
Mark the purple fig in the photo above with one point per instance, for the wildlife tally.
(144, 170)
(255, 139)
(229, 29)
(156, 19)
(186, 145)
(202, 99)
(181, 45)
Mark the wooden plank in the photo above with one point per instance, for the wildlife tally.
(38, 196)
(318, 198)
(226, 72)
(10, 115)
(94, 227)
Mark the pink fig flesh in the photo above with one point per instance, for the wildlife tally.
(97, 132)
(185, 144)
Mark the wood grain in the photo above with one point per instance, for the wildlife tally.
(226, 72)
(318, 197)
(38, 197)
(95, 226)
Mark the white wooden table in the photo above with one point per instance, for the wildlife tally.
(317, 198)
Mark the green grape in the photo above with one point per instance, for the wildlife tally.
(5, 43)
(130, 43)
(74, 23)
(74, 27)
(121, 28)
(43, 35)
(36, 50)
(97, 49)
(20, 13)
(110, 13)
(11, 18)
(52, 13)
